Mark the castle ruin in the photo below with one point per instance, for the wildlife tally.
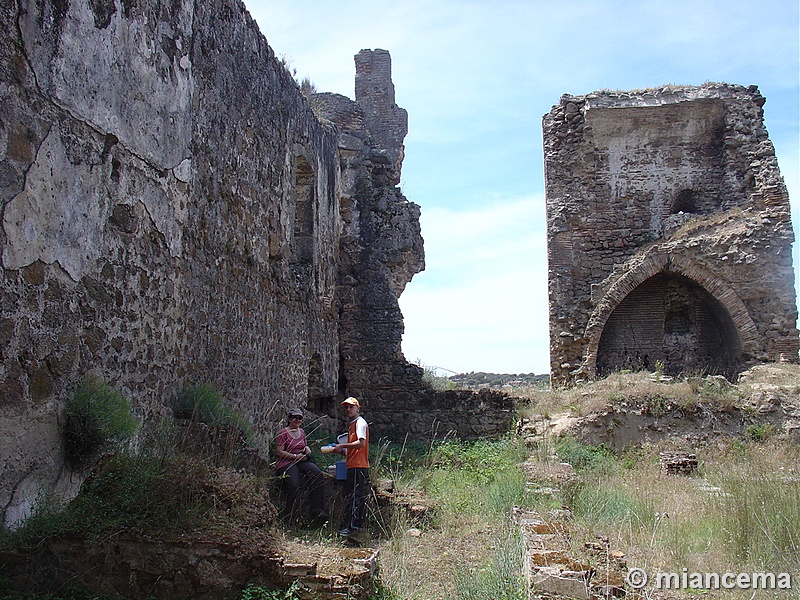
(669, 234)
(175, 211)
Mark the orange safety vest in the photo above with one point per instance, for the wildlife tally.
(357, 458)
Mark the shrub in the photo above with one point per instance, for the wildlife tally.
(584, 457)
(97, 417)
(432, 379)
(203, 403)
(758, 432)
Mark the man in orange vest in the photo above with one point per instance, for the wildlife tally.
(357, 449)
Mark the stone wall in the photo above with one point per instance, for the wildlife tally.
(669, 234)
(381, 250)
(170, 216)
(129, 566)
(175, 211)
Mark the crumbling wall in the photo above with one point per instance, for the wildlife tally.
(175, 211)
(170, 215)
(381, 250)
(669, 234)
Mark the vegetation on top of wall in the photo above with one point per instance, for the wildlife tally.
(98, 417)
(307, 87)
(432, 379)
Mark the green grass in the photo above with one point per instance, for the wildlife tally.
(258, 592)
(501, 577)
(584, 457)
(97, 418)
(757, 512)
(490, 468)
(740, 513)
(472, 487)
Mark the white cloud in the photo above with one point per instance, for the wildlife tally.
(479, 304)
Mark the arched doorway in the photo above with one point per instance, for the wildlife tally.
(672, 323)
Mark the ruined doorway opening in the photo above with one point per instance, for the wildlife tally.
(672, 324)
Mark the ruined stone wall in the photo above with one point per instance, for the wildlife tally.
(381, 250)
(170, 216)
(669, 234)
(174, 211)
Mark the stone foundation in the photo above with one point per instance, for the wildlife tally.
(132, 567)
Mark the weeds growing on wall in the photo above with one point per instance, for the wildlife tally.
(432, 379)
(203, 403)
(97, 418)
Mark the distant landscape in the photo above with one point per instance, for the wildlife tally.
(480, 379)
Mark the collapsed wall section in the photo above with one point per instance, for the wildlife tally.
(669, 234)
(381, 250)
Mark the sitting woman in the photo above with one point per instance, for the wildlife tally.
(293, 463)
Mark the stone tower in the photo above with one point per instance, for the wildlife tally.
(669, 234)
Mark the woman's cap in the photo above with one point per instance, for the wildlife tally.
(352, 401)
(295, 412)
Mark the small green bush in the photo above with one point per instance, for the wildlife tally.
(758, 432)
(203, 403)
(97, 418)
(584, 457)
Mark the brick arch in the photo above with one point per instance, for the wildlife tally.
(676, 264)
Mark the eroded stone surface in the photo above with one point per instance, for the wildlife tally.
(669, 234)
(175, 211)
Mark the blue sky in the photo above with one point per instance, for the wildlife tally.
(476, 77)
